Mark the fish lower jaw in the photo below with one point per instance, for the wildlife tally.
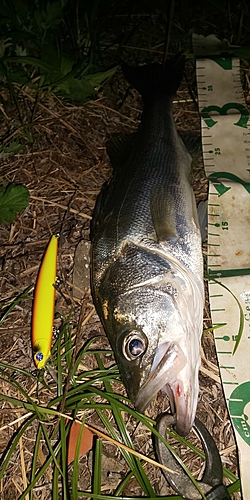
(183, 404)
(170, 376)
(179, 403)
(169, 363)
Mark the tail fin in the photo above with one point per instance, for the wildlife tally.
(153, 78)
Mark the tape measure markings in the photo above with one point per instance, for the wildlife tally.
(226, 152)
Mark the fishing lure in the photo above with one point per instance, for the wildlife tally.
(43, 305)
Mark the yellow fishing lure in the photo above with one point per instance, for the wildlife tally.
(44, 304)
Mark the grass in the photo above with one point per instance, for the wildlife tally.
(49, 46)
(72, 48)
(47, 405)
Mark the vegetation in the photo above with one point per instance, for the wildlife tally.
(71, 394)
(13, 199)
(43, 47)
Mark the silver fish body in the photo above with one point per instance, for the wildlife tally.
(146, 259)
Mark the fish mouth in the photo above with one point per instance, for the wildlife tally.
(165, 375)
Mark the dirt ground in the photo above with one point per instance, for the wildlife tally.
(64, 170)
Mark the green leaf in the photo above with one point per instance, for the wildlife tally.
(77, 90)
(13, 147)
(84, 88)
(97, 79)
(53, 14)
(13, 198)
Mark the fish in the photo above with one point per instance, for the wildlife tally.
(146, 253)
(44, 304)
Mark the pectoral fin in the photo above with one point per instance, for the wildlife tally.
(163, 215)
(192, 142)
(203, 218)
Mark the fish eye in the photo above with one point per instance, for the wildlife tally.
(134, 345)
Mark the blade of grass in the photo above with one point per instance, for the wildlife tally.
(50, 448)
(6, 376)
(133, 462)
(234, 488)
(32, 61)
(97, 373)
(63, 453)
(142, 418)
(64, 391)
(24, 295)
(242, 319)
(6, 366)
(123, 484)
(59, 367)
(126, 437)
(110, 497)
(12, 447)
(41, 472)
(55, 484)
(86, 351)
(67, 346)
(72, 360)
(35, 457)
(97, 471)
(215, 327)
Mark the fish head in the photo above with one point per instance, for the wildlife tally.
(155, 329)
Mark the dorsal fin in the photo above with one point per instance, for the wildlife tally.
(100, 200)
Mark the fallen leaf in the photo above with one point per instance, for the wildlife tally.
(86, 441)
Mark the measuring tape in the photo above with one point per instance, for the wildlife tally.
(226, 152)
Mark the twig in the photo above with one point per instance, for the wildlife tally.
(67, 125)
(64, 207)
